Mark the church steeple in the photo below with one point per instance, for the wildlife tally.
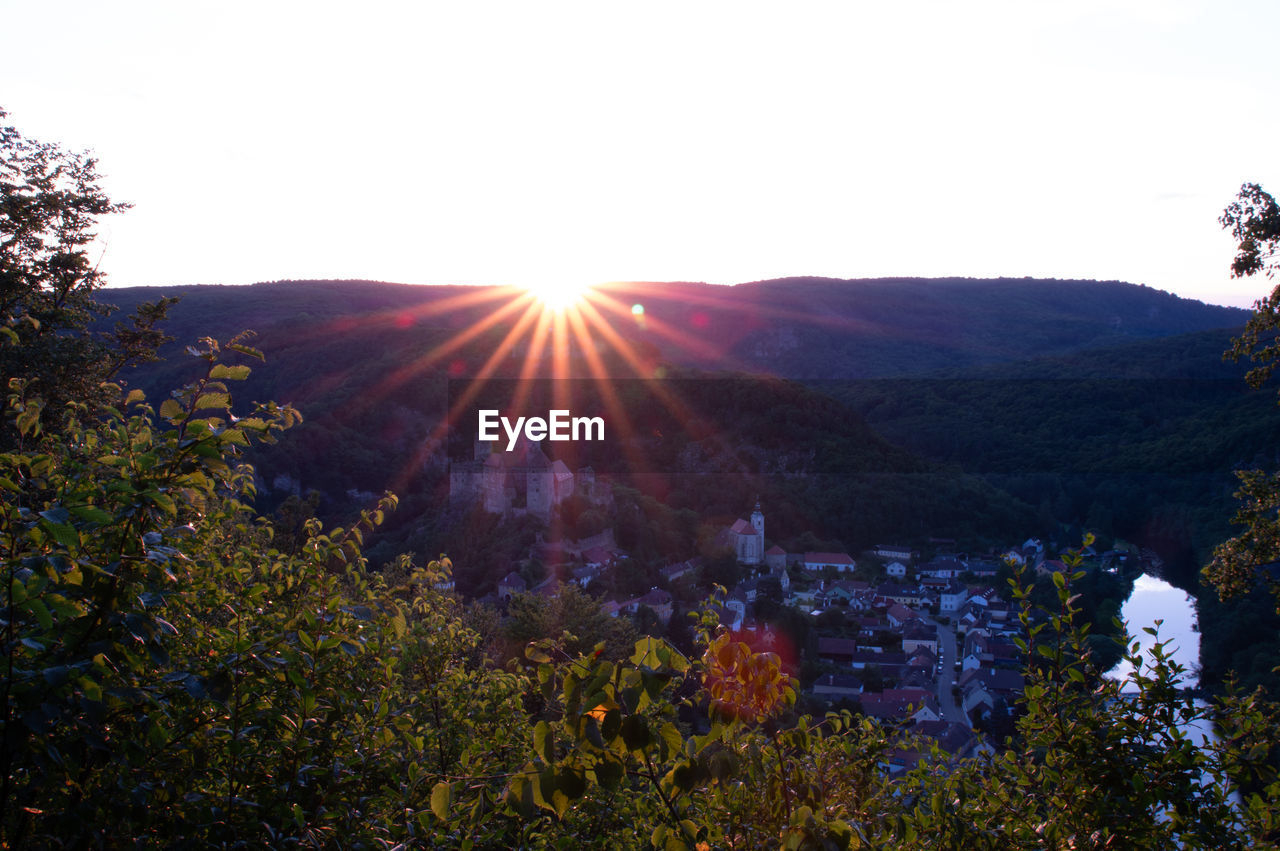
(757, 521)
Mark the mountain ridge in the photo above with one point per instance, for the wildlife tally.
(789, 327)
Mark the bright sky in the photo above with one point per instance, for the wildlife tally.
(521, 142)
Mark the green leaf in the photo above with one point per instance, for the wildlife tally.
(441, 799)
(62, 533)
(213, 400)
(92, 690)
(572, 783)
(544, 743)
(609, 773)
(672, 740)
(246, 350)
(591, 731)
(635, 733)
(544, 788)
(229, 373)
(91, 514)
(28, 422)
(611, 725)
(172, 410)
(37, 607)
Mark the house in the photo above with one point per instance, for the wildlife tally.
(870, 627)
(775, 557)
(875, 656)
(735, 610)
(896, 570)
(984, 569)
(681, 568)
(512, 583)
(952, 737)
(837, 685)
(838, 651)
(582, 576)
(944, 568)
(598, 557)
(917, 634)
(784, 578)
(923, 659)
(892, 551)
(840, 562)
(656, 599)
(900, 593)
(899, 704)
(980, 688)
(1049, 566)
(898, 615)
(952, 597)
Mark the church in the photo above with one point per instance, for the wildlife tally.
(746, 539)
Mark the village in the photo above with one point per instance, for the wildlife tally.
(925, 643)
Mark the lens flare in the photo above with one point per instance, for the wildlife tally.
(557, 295)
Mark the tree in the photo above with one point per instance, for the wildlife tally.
(50, 202)
(1239, 563)
(1254, 220)
(173, 677)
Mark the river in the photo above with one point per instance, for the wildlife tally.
(1154, 599)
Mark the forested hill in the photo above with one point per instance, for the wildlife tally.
(818, 328)
(362, 361)
(793, 327)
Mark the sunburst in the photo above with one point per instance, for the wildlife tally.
(557, 294)
(559, 330)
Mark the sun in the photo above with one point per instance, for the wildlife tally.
(558, 295)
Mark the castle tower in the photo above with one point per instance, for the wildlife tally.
(540, 491)
(495, 485)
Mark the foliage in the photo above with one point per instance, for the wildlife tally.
(1248, 560)
(171, 674)
(573, 617)
(175, 676)
(1254, 221)
(50, 201)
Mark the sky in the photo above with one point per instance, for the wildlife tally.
(580, 142)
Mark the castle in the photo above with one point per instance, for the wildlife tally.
(522, 481)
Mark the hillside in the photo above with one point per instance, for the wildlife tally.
(794, 327)
(370, 364)
(1137, 440)
(818, 328)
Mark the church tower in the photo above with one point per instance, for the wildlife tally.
(757, 521)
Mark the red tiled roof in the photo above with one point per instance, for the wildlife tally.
(827, 558)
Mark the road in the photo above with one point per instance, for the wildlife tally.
(951, 711)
